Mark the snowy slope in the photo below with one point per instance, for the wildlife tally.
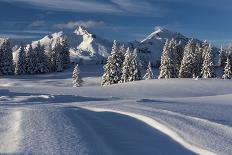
(196, 118)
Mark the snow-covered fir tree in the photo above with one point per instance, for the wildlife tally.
(126, 69)
(135, 67)
(179, 54)
(204, 46)
(131, 70)
(107, 78)
(122, 50)
(222, 58)
(175, 58)
(169, 67)
(77, 80)
(118, 53)
(50, 57)
(208, 66)
(227, 70)
(165, 62)
(113, 68)
(59, 63)
(57, 57)
(229, 52)
(121, 55)
(149, 73)
(188, 61)
(30, 60)
(21, 64)
(41, 64)
(198, 61)
(6, 58)
(65, 53)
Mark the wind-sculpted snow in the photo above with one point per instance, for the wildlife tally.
(43, 115)
(54, 129)
(155, 124)
(198, 134)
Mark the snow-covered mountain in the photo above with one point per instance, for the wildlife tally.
(88, 48)
(85, 47)
(150, 49)
(2, 41)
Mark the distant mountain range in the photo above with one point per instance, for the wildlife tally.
(88, 48)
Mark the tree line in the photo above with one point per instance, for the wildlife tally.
(195, 60)
(123, 65)
(34, 60)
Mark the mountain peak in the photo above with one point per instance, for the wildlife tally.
(161, 33)
(81, 30)
(159, 29)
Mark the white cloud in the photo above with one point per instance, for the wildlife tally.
(18, 36)
(140, 7)
(74, 24)
(72, 5)
(122, 7)
(38, 23)
(29, 31)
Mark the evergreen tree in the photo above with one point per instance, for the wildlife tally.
(204, 46)
(174, 58)
(65, 53)
(169, 63)
(208, 66)
(118, 57)
(135, 72)
(122, 51)
(50, 57)
(59, 64)
(20, 67)
(77, 80)
(6, 58)
(149, 74)
(198, 61)
(131, 70)
(56, 60)
(126, 66)
(106, 78)
(165, 62)
(222, 58)
(30, 60)
(188, 61)
(113, 68)
(121, 55)
(41, 65)
(227, 70)
(229, 52)
(179, 53)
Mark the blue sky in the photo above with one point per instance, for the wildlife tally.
(117, 19)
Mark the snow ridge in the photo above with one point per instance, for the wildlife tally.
(157, 125)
